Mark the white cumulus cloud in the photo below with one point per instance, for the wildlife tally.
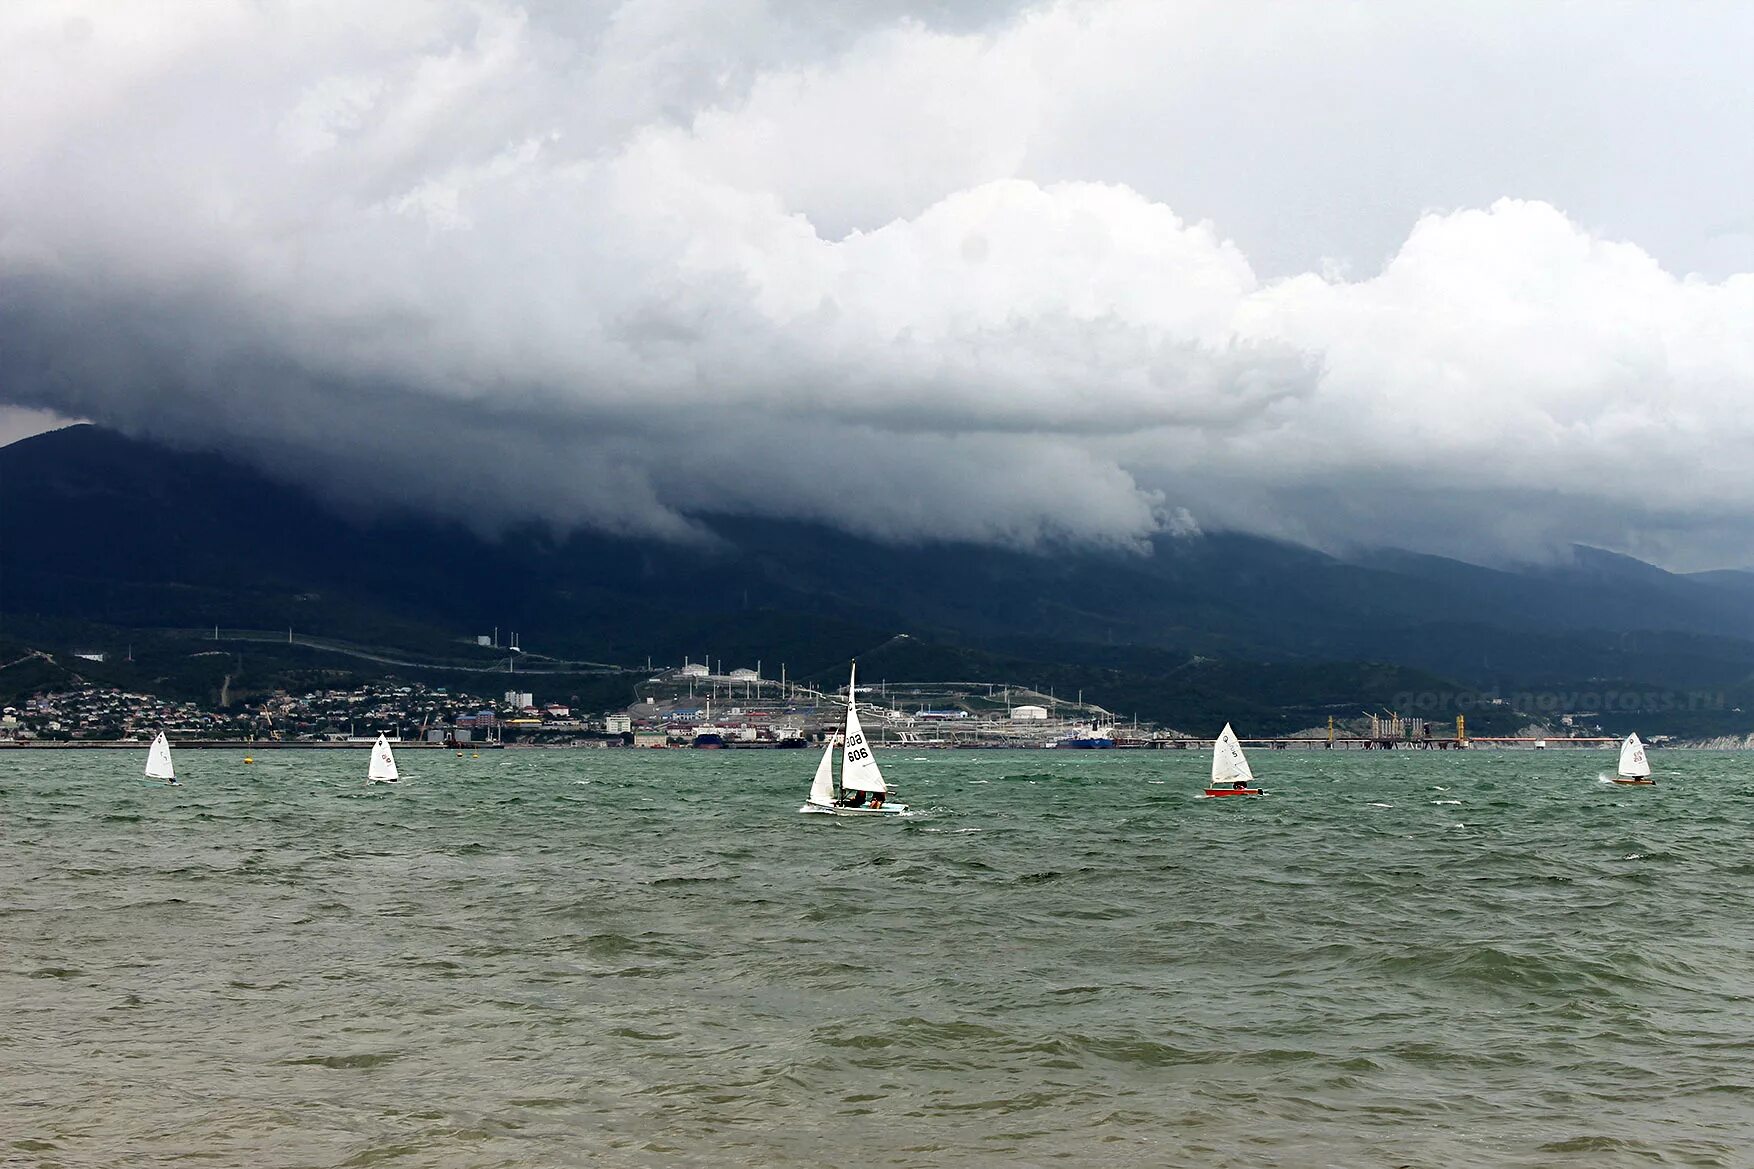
(940, 271)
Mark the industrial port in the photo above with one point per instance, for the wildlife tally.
(694, 705)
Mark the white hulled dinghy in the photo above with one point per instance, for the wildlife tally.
(158, 761)
(862, 790)
(383, 768)
(1634, 768)
(1230, 768)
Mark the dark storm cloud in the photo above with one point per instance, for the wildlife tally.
(912, 269)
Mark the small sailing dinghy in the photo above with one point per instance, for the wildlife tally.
(1230, 768)
(158, 761)
(1634, 769)
(383, 768)
(862, 790)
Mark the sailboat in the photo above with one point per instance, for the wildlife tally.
(383, 768)
(862, 790)
(1634, 767)
(158, 761)
(1230, 768)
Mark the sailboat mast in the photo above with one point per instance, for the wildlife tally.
(852, 691)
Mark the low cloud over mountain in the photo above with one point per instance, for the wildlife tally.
(998, 273)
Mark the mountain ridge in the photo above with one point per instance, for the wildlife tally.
(127, 533)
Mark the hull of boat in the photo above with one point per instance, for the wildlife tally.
(1233, 791)
(1635, 782)
(369, 782)
(835, 810)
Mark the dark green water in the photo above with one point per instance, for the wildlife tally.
(631, 959)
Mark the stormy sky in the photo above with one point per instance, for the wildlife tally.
(1474, 278)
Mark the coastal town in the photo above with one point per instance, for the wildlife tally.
(686, 707)
(682, 707)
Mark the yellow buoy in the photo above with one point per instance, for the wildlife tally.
(247, 759)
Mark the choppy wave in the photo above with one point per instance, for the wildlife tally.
(1072, 966)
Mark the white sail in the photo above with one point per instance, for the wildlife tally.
(1229, 765)
(822, 788)
(158, 759)
(383, 768)
(858, 769)
(1633, 764)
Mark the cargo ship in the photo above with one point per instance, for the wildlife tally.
(1088, 738)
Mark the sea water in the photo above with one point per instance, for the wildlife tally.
(559, 958)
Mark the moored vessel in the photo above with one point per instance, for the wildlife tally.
(1088, 738)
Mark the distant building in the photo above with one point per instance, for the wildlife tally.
(693, 670)
(651, 739)
(519, 699)
(1028, 713)
(744, 675)
(618, 724)
(483, 639)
